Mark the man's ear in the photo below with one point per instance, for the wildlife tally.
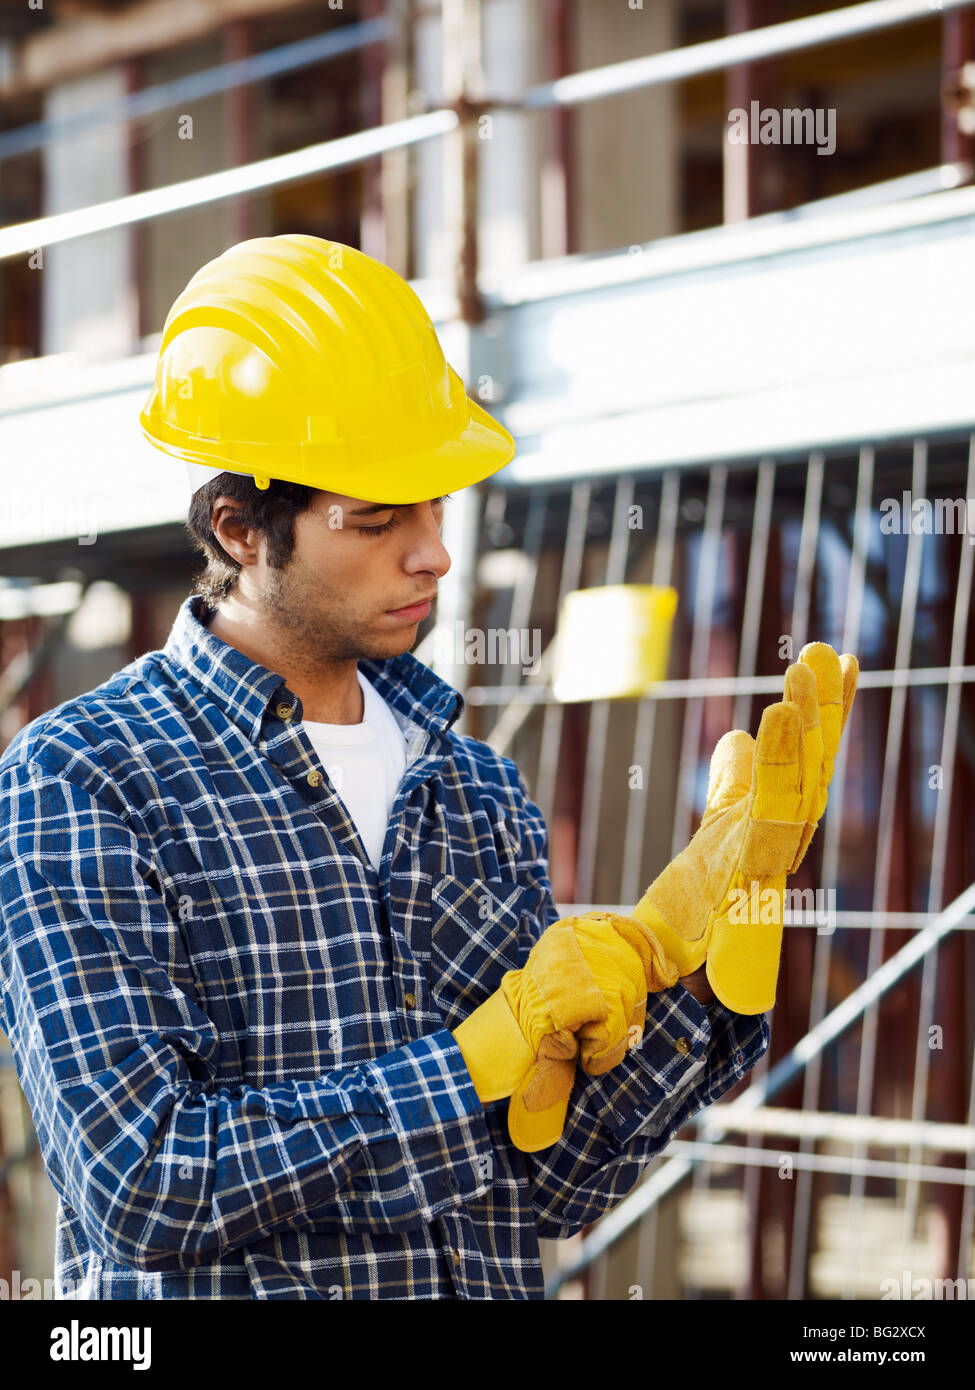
(241, 542)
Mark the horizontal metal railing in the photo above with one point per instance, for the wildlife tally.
(722, 686)
(164, 96)
(630, 75)
(712, 1130)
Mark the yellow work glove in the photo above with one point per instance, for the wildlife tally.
(721, 899)
(641, 967)
(836, 684)
(582, 977)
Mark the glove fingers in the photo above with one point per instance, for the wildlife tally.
(600, 1050)
(558, 1047)
(659, 971)
(775, 829)
(836, 681)
(851, 671)
(597, 1061)
(538, 1106)
(610, 956)
(835, 714)
(778, 760)
(801, 691)
(823, 662)
(730, 773)
(558, 970)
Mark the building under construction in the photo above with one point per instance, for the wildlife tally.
(741, 368)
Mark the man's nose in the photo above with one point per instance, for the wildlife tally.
(427, 551)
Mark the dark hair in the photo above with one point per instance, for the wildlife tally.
(271, 511)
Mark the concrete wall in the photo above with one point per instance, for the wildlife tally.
(626, 184)
(174, 248)
(509, 156)
(88, 300)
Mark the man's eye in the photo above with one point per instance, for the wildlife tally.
(394, 520)
(379, 530)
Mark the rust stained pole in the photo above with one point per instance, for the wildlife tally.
(387, 81)
(557, 229)
(752, 171)
(135, 145)
(372, 231)
(958, 89)
(464, 90)
(237, 45)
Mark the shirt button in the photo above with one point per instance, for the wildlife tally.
(739, 1059)
(683, 1046)
(285, 711)
(409, 1000)
(314, 778)
(455, 1256)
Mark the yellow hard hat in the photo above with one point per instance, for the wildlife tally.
(302, 359)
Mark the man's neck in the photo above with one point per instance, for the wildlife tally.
(328, 696)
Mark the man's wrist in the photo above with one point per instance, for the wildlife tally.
(698, 986)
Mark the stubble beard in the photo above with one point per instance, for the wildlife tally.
(311, 626)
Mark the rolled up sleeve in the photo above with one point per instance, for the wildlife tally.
(617, 1123)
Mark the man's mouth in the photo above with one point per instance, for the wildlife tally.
(413, 612)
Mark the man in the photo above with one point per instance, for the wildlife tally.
(274, 937)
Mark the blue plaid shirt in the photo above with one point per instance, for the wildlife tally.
(233, 1033)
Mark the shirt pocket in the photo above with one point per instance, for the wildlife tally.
(480, 928)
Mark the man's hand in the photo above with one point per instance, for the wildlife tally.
(720, 901)
(581, 993)
(521, 1041)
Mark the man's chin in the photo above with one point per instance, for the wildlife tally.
(390, 644)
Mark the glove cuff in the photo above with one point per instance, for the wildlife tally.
(659, 969)
(680, 954)
(494, 1048)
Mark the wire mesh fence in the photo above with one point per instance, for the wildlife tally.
(870, 550)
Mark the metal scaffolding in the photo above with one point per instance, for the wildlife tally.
(782, 554)
(767, 549)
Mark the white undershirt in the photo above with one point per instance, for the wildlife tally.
(365, 764)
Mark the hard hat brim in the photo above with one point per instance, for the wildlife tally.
(482, 448)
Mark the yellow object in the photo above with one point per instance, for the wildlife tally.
(545, 1001)
(582, 993)
(721, 899)
(302, 359)
(835, 690)
(613, 641)
(628, 961)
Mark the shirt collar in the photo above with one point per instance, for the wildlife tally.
(244, 690)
